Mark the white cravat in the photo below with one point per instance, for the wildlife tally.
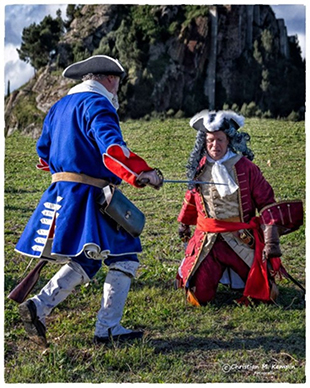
(95, 87)
(221, 175)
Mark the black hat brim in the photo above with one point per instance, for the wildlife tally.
(98, 64)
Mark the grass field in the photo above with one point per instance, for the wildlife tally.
(220, 343)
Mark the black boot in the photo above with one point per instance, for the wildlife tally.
(33, 326)
(118, 338)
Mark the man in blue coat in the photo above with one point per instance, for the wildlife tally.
(82, 146)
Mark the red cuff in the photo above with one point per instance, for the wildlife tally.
(42, 165)
(124, 163)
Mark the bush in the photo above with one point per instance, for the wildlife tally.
(170, 113)
(180, 114)
(235, 108)
(293, 116)
(267, 115)
(250, 110)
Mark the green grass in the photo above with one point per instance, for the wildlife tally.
(222, 342)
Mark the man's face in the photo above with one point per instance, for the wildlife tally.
(217, 143)
(114, 84)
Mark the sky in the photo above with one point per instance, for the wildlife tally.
(17, 16)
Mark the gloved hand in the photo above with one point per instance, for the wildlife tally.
(153, 178)
(184, 232)
(272, 241)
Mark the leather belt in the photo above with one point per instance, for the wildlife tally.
(79, 178)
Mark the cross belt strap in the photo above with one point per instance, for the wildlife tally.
(79, 178)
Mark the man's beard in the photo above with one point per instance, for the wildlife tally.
(115, 101)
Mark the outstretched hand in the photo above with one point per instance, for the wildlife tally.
(153, 178)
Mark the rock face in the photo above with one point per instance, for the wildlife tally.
(178, 62)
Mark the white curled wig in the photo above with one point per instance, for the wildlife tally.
(211, 121)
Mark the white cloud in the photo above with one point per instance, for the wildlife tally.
(15, 70)
(294, 16)
(17, 17)
(302, 44)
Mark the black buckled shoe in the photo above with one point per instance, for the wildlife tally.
(33, 326)
(118, 337)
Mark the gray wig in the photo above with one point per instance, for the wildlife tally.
(206, 122)
(93, 77)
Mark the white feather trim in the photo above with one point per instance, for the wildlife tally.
(198, 116)
(215, 124)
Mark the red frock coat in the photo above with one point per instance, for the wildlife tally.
(254, 194)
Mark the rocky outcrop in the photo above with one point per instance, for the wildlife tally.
(192, 61)
(49, 88)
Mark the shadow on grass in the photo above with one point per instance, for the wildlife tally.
(19, 191)
(23, 211)
(290, 296)
(292, 343)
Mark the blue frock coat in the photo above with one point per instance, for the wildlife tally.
(77, 131)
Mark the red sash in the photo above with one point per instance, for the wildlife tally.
(257, 285)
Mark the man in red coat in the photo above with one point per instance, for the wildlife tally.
(230, 244)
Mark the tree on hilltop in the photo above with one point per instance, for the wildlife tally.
(39, 41)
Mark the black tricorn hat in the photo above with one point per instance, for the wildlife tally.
(207, 121)
(97, 64)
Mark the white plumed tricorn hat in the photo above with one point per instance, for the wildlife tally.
(97, 64)
(211, 121)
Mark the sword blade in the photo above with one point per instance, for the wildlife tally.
(193, 182)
